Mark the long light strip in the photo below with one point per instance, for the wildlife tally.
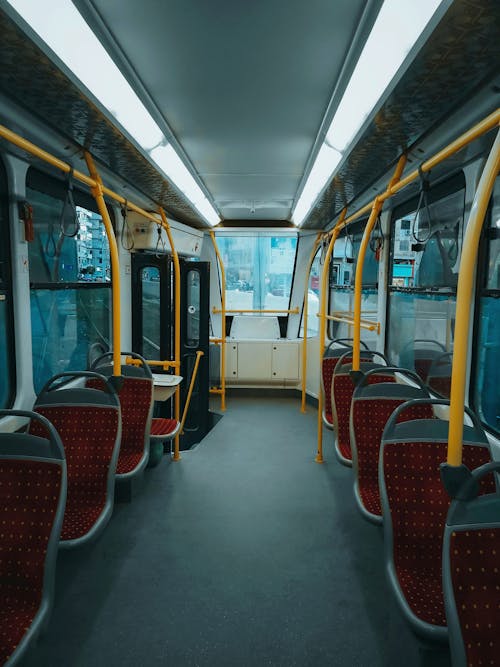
(397, 28)
(64, 30)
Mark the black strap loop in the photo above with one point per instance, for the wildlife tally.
(423, 204)
(124, 210)
(69, 203)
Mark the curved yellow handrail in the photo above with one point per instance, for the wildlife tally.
(322, 327)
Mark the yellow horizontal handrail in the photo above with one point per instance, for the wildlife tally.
(370, 325)
(31, 148)
(217, 340)
(293, 311)
(151, 362)
(487, 124)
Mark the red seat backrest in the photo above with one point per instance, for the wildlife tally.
(29, 498)
(475, 572)
(88, 434)
(342, 391)
(136, 400)
(418, 506)
(369, 417)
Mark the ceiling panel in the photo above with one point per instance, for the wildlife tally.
(244, 86)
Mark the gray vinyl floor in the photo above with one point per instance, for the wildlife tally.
(244, 553)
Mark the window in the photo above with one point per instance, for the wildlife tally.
(150, 311)
(7, 356)
(342, 278)
(259, 270)
(425, 257)
(313, 296)
(486, 389)
(70, 289)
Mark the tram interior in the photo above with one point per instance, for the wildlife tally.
(249, 333)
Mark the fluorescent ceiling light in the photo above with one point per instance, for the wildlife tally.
(167, 159)
(64, 30)
(326, 161)
(398, 26)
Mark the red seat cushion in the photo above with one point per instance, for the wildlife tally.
(419, 504)
(88, 434)
(136, 398)
(441, 384)
(29, 497)
(160, 426)
(369, 419)
(475, 573)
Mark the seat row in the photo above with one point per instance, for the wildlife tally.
(442, 555)
(57, 482)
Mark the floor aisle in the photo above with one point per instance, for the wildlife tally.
(244, 553)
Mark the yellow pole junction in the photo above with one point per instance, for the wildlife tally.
(97, 192)
(317, 242)
(358, 283)
(177, 326)
(222, 339)
(465, 286)
(322, 326)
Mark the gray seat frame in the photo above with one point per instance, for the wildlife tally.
(22, 446)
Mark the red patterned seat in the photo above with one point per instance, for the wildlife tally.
(136, 401)
(471, 575)
(164, 428)
(372, 405)
(415, 505)
(32, 496)
(88, 423)
(342, 391)
(333, 352)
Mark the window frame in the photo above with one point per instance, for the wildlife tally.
(6, 285)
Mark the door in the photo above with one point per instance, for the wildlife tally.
(195, 292)
(152, 306)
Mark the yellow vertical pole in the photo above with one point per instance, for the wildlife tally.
(304, 321)
(115, 264)
(465, 285)
(322, 327)
(177, 327)
(376, 208)
(223, 323)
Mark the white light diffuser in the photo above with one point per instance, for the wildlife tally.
(326, 161)
(64, 30)
(398, 26)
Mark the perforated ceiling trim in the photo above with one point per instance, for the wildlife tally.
(461, 54)
(32, 80)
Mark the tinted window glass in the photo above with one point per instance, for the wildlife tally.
(425, 257)
(486, 388)
(426, 244)
(70, 279)
(259, 271)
